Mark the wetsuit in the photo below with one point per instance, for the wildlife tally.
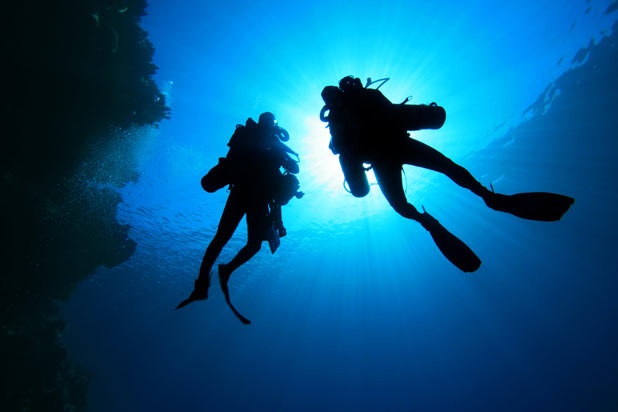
(253, 163)
(366, 128)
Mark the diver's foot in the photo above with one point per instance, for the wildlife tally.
(427, 221)
(200, 292)
(497, 201)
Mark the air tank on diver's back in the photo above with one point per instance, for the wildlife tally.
(418, 116)
(361, 120)
(355, 175)
(406, 117)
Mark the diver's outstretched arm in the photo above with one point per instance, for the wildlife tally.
(456, 251)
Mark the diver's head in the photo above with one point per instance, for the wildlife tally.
(267, 121)
(332, 95)
(349, 83)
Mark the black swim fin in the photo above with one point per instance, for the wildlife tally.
(185, 302)
(542, 206)
(456, 251)
(223, 282)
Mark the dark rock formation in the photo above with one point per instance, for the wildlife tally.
(77, 71)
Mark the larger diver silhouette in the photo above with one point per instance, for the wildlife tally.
(366, 127)
(252, 168)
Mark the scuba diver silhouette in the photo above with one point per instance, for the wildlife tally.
(366, 127)
(257, 190)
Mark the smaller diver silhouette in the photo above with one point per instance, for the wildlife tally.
(366, 127)
(258, 189)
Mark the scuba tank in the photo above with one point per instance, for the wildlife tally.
(355, 174)
(418, 116)
(373, 112)
(217, 177)
(414, 116)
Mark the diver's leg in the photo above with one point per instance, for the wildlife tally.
(257, 218)
(230, 218)
(243, 256)
(541, 206)
(388, 176)
(419, 154)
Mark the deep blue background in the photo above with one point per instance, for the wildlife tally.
(358, 310)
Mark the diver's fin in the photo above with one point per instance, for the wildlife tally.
(223, 278)
(456, 251)
(185, 302)
(542, 206)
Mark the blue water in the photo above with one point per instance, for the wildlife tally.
(358, 309)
